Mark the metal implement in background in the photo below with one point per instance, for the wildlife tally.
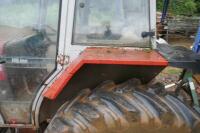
(194, 94)
(186, 59)
(165, 9)
(196, 47)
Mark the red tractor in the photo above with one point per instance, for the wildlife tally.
(85, 66)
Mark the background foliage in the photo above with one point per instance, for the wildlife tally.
(182, 7)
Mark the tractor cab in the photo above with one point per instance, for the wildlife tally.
(34, 33)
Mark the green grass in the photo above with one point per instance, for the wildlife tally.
(172, 71)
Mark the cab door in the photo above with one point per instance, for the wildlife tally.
(28, 48)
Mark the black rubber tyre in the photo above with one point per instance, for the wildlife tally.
(7, 130)
(125, 108)
(3, 130)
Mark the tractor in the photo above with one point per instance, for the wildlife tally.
(87, 66)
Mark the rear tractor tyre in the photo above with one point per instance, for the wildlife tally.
(125, 108)
(3, 130)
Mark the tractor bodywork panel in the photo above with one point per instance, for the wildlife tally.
(106, 56)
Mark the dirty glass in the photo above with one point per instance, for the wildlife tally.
(114, 22)
(28, 43)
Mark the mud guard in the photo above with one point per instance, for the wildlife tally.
(105, 56)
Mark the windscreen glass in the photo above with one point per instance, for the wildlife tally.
(111, 22)
(28, 47)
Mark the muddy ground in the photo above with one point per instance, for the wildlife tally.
(186, 41)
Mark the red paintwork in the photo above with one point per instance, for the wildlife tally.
(2, 72)
(118, 56)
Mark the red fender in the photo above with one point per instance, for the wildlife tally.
(114, 56)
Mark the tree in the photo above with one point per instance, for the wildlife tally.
(198, 6)
(181, 7)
